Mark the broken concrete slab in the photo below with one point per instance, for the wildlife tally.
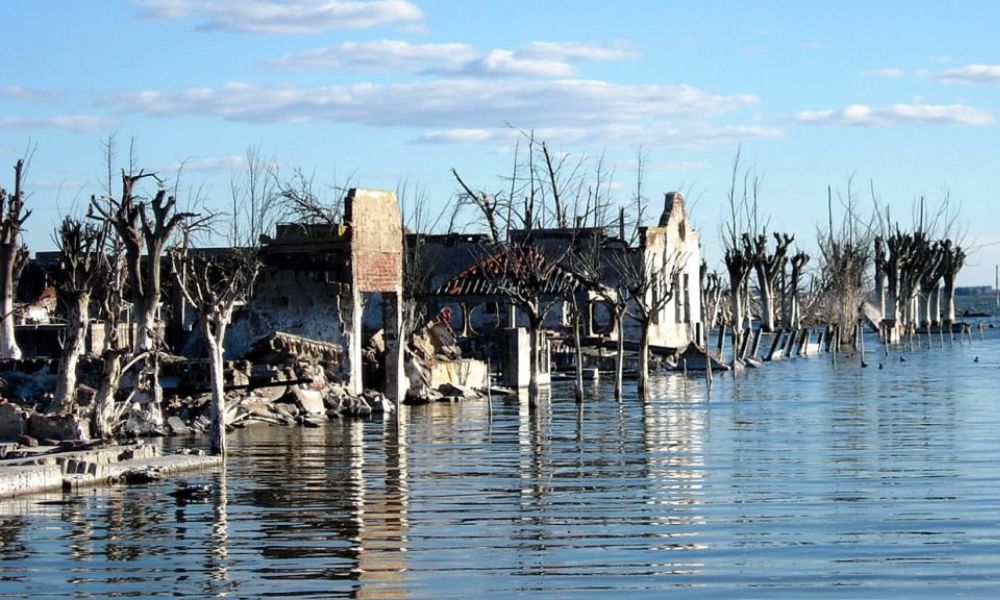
(308, 400)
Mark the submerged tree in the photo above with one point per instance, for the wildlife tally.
(650, 279)
(845, 254)
(769, 266)
(215, 285)
(13, 255)
(953, 259)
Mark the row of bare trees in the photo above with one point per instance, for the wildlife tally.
(914, 268)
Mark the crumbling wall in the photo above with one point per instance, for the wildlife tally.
(673, 247)
(301, 303)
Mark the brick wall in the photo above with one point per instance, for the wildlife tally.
(376, 240)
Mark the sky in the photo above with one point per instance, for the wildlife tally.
(899, 98)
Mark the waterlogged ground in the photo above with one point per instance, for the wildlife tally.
(802, 479)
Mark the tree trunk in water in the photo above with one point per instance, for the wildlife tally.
(949, 298)
(533, 329)
(766, 304)
(579, 355)
(643, 379)
(77, 319)
(619, 354)
(737, 308)
(104, 402)
(218, 431)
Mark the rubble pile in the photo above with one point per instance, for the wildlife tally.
(284, 380)
(436, 369)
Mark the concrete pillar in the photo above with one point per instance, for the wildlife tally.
(355, 385)
(517, 354)
(392, 324)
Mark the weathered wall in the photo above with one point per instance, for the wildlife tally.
(673, 247)
(376, 235)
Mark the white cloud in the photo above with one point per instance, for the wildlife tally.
(19, 92)
(889, 72)
(971, 74)
(536, 59)
(382, 55)
(682, 165)
(77, 123)
(285, 16)
(471, 110)
(451, 136)
(898, 114)
(457, 103)
(578, 51)
(507, 62)
(688, 137)
(207, 164)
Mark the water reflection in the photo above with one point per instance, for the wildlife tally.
(797, 480)
(382, 516)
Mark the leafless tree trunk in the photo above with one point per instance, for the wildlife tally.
(799, 261)
(214, 286)
(142, 227)
(954, 259)
(650, 281)
(112, 354)
(81, 258)
(846, 251)
(768, 266)
(13, 255)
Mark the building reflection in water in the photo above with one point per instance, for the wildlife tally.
(673, 427)
(219, 583)
(381, 507)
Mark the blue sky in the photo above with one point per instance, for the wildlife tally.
(905, 95)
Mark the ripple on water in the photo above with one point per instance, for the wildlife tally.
(801, 479)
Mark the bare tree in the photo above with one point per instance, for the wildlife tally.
(744, 187)
(255, 193)
(712, 296)
(81, 266)
(544, 190)
(793, 316)
(845, 253)
(215, 285)
(769, 266)
(13, 255)
(650, 280)
(115, 348)
(952, 263)
(142, 227)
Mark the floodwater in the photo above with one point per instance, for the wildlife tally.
(802, 479)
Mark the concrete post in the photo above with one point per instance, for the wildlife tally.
(518, 356)
(355, 385)
(392, 325)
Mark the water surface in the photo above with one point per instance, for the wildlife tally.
(803, 479)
